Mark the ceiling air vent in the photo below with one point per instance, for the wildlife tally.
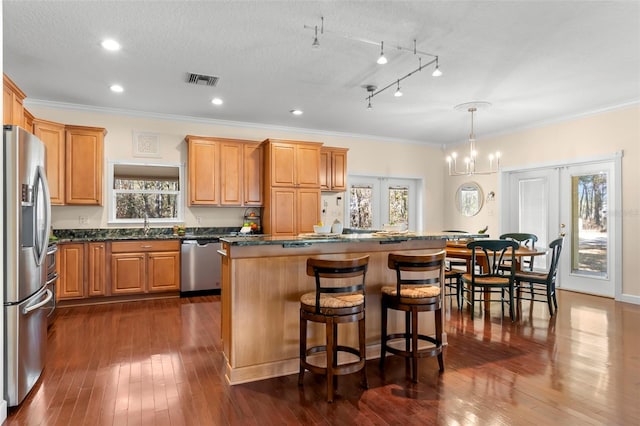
(202, 79)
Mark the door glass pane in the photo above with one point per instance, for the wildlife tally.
(590, 240)
(399, 206)
(360, 200)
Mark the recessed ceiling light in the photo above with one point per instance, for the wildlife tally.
(110, 44)
(296, 112)
(116, 88)
(216, 101)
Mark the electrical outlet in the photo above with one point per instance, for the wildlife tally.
(83, 220)
(199, 220)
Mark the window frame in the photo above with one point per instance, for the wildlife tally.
(112, 193)
(380, 202)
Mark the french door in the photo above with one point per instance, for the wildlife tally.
(374, 201)
(575, 201)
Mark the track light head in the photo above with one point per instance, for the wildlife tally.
(316, 43)
(381, 59)
(437, 72)
(398, 93)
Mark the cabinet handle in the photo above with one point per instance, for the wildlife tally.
(147, 246)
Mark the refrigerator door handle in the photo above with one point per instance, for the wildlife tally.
(39, 304)
(43, 239)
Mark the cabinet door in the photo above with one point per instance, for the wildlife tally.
(52, 135)
(252, 171)
(339, 170)
(308, 203)
(308, 165)
(12, 103)
(164, 271)
(203, 166)
(283, 164)
(84, 165)
(97, 269)
(70, 268)
(325, 169)
(231, 181)
(128, 275)
(283, 209)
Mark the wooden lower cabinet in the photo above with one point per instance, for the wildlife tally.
(70, 264)
(97, 269)
(145, 266)
(118, 268)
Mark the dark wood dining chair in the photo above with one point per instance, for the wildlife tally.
(524, 240)
(541, 285)
(339, 298)
(493, 278)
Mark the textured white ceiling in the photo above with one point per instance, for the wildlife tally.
(535, 61)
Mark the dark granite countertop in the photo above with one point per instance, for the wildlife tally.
(305, 239)
(231, 235)
(119, 234)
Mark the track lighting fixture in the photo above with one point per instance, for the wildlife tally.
(381, 59)
(369, 107)
(470, 160)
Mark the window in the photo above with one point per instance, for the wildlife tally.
(142, 189)
(374, 201)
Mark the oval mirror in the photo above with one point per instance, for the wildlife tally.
(469, 199)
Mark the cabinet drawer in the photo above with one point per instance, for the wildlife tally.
(144, 246)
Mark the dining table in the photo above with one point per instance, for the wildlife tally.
(458, 250)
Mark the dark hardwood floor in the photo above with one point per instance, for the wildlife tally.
(160, 363)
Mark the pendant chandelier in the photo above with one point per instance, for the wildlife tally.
(470, 160)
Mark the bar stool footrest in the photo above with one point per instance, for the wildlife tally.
(420, 353)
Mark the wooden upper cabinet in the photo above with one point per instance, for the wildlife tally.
(224, 172)
(252, 173)
(53, 136)
(292, 197)
(203, 158)
(84, 165)
(291, 163)
(333, 169)
(12, 103)
(231, 181)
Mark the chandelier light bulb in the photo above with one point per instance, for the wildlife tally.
(454, 155)
(491, 156)
(449, 159)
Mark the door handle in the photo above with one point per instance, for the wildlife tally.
(39, 304)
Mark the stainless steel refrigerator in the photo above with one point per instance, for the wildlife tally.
(26, 230)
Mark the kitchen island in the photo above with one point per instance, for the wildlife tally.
(263, 278)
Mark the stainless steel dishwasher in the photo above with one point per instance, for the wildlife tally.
(200, 266)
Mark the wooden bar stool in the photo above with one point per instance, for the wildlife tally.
(417, 289)
(339, 298)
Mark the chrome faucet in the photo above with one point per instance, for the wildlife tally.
(145, 229)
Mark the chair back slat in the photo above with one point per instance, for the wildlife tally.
(556, 249)
(524, 240)
(426, 265)
(335, 276)
(495, 253)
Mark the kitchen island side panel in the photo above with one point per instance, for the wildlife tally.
(261, 308)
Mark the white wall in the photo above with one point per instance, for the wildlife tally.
(590, 136)
(366, 156)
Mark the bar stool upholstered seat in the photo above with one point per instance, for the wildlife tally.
(339, 298)
(414, 294)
